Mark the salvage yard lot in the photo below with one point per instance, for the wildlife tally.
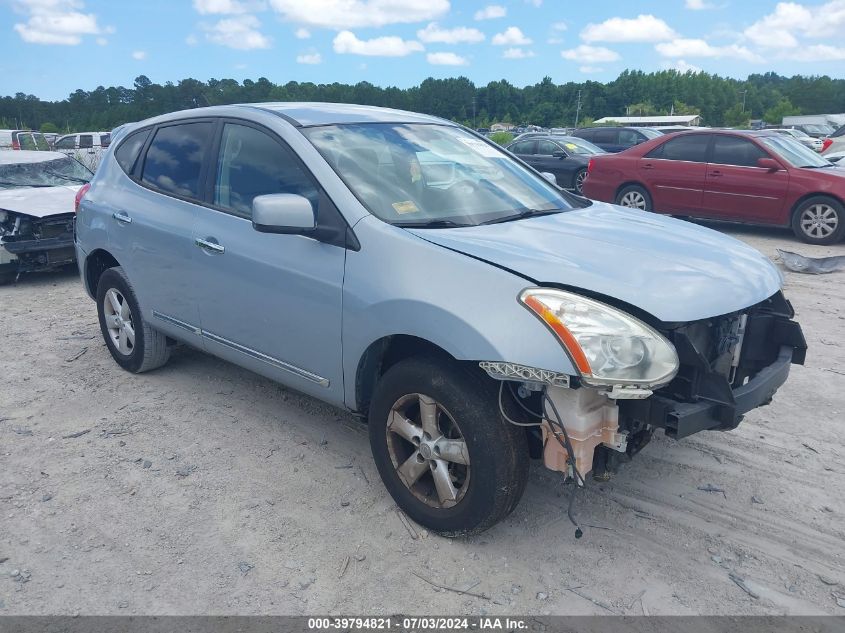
(202, 488)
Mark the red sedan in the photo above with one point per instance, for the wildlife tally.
(755, 177)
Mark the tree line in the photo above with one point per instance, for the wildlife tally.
(719, 100)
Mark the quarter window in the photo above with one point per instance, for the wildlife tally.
(251, 164)
(731, 150)
(105, 140)
(127, 154)
(629, 138)
(174, 160)
(687, 147)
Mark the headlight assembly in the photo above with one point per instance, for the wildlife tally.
(608, 346)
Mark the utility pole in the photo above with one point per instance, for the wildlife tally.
(578, 110)
(744, 93)
(474, 124)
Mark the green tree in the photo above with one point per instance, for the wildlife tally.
(502, 138)
(736, 117)
(781, 109)
(49, 128)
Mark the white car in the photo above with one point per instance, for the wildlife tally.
(86, 147)
(815, 144)
(37, 198)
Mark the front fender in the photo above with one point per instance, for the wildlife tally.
(399, 283)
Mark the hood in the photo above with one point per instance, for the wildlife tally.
(674, 270)
(39, 202)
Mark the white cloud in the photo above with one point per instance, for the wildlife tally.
(210, 7)
(699, 5)
(191, 40)
(55, 22)
(536, 3)
(511, 36)
(302, 34)
(309, 58)
(643, 28)
(433, 33)
(683, 47)
(101, 41)
(594, 54)
(446, 59)
(790, 20)
(491, 12)
(238, 32)
(590, 70)
(817, 53)
(346, 14)
(517, 53)
(682, 66)
(560, 26)
(346, 42)
(139, 55)
(554, 41)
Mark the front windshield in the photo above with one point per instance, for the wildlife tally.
(793, 152)
(575, 145)
(432, 175)
(48, 173)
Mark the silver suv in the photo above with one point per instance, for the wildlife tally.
(404, 268)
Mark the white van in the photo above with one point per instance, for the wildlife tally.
(86, 147)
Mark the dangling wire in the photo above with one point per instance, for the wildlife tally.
(508, 418)
(570, 459)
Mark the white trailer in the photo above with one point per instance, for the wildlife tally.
(833, 120)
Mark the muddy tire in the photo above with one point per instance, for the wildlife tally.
(442, 449)
(133, 344)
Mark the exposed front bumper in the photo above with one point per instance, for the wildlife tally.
(681, 419)
(42, 254)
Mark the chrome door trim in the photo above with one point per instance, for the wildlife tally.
(270, 360)
(741, 195)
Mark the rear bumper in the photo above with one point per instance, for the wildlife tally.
(681, 419)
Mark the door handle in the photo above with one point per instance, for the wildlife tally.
(210, 246)
(648, 166)
(716, 174)
(122, 217)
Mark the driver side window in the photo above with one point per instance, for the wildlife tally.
(252, 163)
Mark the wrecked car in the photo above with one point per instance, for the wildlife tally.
(408, 270)
(37, 195)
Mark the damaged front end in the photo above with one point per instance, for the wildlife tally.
(31, 244)
(726, 366)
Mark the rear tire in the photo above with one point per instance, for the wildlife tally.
(484, 459)
(819, 220)
(634, 197)
(133, 344)
(578, 181)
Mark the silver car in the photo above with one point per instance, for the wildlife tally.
(406, 269)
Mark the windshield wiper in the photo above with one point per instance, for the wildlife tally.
(524, 213)
(430, 224)
(7, 183)
(66, 177)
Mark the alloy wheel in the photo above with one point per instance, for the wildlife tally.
(119, 324)
(633, 200)
(428, 451)
(819, 221)
(580, 177)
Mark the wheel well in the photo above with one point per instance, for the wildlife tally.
(96, 264)
(806, 197)
(381, 356)
(628, 184)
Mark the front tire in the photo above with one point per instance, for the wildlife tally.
(634, 197)
(578, 181)
(443, 450)
(133, 344)
(819, 220)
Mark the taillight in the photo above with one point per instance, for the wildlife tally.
(15, 143)
(79, 195)
(826, 143)
(590, 165)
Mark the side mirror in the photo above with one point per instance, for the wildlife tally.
(768, 163)
(549, 176)
(285, 213)
(559, 154)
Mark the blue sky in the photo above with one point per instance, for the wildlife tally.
(51, 47)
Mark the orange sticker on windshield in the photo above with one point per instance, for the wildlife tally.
(405, 207)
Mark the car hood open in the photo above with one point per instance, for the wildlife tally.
(39, 202)
(674, 270)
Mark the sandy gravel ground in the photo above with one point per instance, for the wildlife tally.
(202, 488)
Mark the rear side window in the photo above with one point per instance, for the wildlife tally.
(127, 154)
(26, 141)
(587, 135)
(174, 160)
(523, 147)
(252, 163)
(67, 143)
(730, 150)
(608, 136)
(839, 132)
(105, 140)
(690, 148)
(547, 148)
(41, 142)
(86, 141)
